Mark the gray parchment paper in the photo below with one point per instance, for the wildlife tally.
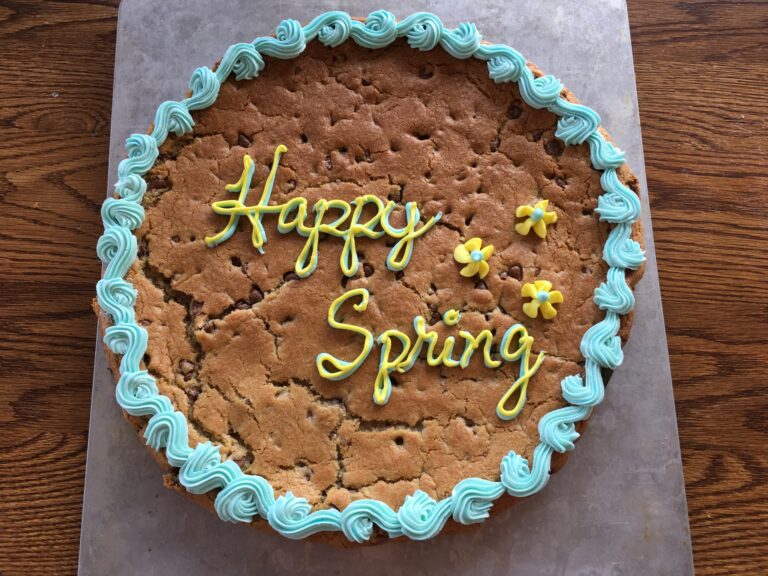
(618, 507)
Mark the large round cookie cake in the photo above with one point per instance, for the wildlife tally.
(372, 282)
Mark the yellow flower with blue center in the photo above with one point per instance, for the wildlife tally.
(474, 256)
(536, 217)
(542, 298)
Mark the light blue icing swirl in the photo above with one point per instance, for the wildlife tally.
(422, 517)
(119, 212)
(171, 117)
(602, 344)
(603, 154)
(331, 28)
(205, 88)
(204, 470)
(291, 517)
(116, 298)
(169, 430)
(473, 498)
(128, 339)
(242, 60)
(138, 395)
(618, 204)
(557, 430)
(288, 41)
(504, 63)
(423, 30)
(517, 476)
(462, 42)
(378, 31)
(620, 251)
(540, 92)
(142, 153)
(131, 187)
(615, 295)
(358, 518)
(244, 496)
(588, 391)
(577, 122)
(117, 249)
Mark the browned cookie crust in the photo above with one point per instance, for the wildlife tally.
(233, 334)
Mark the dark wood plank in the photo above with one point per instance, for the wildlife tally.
(56, 62)
(701, 69)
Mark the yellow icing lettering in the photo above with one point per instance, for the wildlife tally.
(473, 343)
(341, 368)
(523, 353)
(399, 353)
(407, 234)
(292, 216)
(349, 260)
(382, 387)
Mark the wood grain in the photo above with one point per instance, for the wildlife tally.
(702, 69)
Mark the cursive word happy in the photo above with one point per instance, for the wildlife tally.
(293, 215)
(333, 368)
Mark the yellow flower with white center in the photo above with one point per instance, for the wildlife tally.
(543, 298)
(474, 256)
(536, 217)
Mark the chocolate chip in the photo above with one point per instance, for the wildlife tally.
(328, 163)
(158, 183)
(514, 111)
(242, 305)
(366, 82)
(562, 182)
(290, 276)
(503, 276)
(554, 147)
(304, 138)
(193, 393)
(236, 262)
(495, 144)
(536, 136)
(367, 270)
(435, 318)
(426, 72)
(186, 367)
(399, 440)
(256, 295)
(291, 185)
(196, 308)
(480, 285)
(399, 275)
(209, 327)
(515, 272)
(243, 140)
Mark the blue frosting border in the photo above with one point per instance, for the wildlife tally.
(242, 497)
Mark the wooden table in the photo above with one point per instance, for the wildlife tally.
(702, 73)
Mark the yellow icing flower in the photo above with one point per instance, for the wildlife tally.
(474, 256)
(542, 298)
(537, 218)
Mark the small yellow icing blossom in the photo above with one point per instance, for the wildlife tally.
(474, 256)
(542, 298)
(536, 217)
